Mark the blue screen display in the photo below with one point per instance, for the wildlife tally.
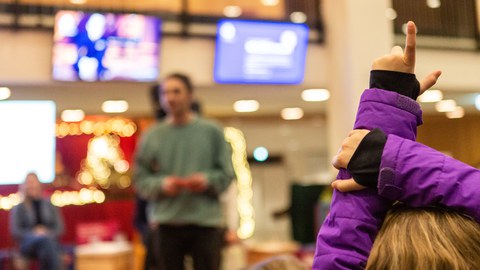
(260, 52)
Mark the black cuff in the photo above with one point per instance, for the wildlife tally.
(403, 83)
(364, 165)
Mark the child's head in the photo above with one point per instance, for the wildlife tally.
(426, 238)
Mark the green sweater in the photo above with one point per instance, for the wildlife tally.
(167, 150)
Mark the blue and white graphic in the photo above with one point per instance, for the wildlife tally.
(260, 52)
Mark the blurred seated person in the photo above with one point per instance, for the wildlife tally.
(36, 225)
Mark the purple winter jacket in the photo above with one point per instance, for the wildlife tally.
(347, 234)
(413, 173)
(409, 172)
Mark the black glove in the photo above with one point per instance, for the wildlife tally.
(403, 83)
(365, 162)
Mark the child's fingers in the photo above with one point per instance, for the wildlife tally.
(346, 185)
(429, 81)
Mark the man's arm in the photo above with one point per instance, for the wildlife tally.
(221, 175)
(214, 180)
(16, 229)
(57, 227)
(148, 179)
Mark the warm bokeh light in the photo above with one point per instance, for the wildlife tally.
(247, 105)
(391, 14)
(298, 17)
(84, 196)
(459, 112)
(78, 2)
(72, 115)
(232, 11)
(7, 202)
(292, 113)
(114, 106)
(431, 96)
(5, 93)
(244, 182)
(270, 3)
(121, 166)
(315, 95)
(117, 126)
(448, 105)
(434, 3)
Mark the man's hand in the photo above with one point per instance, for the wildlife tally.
(404, 61)
(40, 230)
(196, 182)
(171, 186)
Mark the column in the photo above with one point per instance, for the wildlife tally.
(356, 33)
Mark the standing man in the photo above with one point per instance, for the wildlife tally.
(36, 224)
(183, 164)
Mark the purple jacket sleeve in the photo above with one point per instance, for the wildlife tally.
(418, 175)
(347, 234)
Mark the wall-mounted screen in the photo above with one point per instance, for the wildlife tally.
(105, 47)
(27, 140)
(260, 52)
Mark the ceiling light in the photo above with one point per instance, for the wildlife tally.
(5, 93)
(431, 96)
(78, 2)
(298, 17)
(448, 105)
(292, 113)
(232, 11)
(459, 112)
(315, 95)
(115, 106)
(72, 115)
(477, 102)
(391, 14)
(246, 105)
(270, 2)
(434, 3)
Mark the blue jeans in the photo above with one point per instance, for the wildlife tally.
(43, 248)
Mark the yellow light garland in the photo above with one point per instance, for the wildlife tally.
(118, 126)
(244, 182)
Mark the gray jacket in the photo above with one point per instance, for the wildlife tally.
(22, 219)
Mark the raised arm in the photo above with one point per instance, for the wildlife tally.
(347, 235)
(415, 174)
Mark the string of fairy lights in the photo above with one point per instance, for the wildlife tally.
(244, 182)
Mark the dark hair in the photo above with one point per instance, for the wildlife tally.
(183, 78)
(155, 98)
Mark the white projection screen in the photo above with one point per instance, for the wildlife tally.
(27, 140)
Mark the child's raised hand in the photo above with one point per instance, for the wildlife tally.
(404, 60)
